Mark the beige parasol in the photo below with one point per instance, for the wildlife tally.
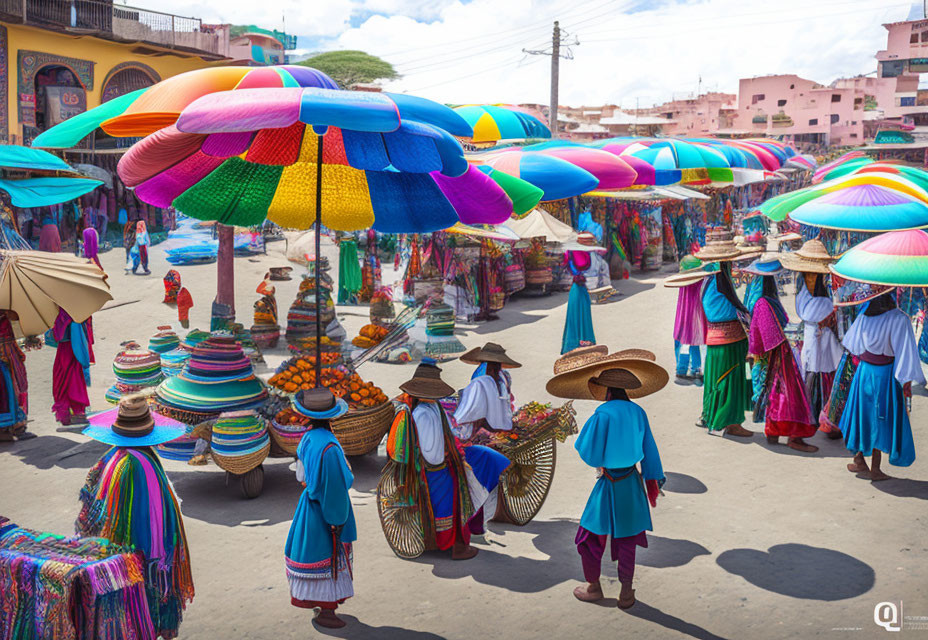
(34, 284)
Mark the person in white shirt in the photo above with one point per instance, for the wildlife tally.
(486, 403)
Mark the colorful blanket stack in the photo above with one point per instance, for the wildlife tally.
(194, 338)
(301, 318)
(163, 341)
(439, 320)
(76, 588)
(180, 449)
(217, 378)
(136, 370)
(433, 336)
(240, 441)
(265, 331)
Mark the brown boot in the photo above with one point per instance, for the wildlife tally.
(801, 445)
(626, 597)
(329, 620)
(463, 552)
(773, 440)
(738, 430)
(592, 592)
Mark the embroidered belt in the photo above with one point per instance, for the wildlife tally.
(876, 358)
(435, 467)
(724, 333)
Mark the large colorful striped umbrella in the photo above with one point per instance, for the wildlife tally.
(841, 166)
(696, 163)
(863, 208)
(389, 163)
(145, 111)
(648, 174)
(556, 178)
(610, 170)
(495, 122)
(895, 259)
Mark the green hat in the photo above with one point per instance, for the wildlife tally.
(689, 263)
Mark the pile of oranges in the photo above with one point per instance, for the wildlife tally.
(370, 335)
(299, 374)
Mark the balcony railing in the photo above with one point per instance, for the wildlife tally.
(117, 22)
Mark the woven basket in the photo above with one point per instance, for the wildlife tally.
(497, 300)
(283, 439)
(538, 276)
(240, 465)
(360, 431)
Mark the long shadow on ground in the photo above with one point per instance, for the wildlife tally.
(801, 571)
(652, 614)
(357, 629)
(555, 539)
(904, 488)
(45, 452)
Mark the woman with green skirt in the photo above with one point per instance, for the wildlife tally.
(726, 391)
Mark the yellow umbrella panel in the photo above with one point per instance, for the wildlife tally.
(34, 284)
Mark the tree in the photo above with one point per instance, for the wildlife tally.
(351, 67)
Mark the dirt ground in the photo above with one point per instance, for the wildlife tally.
(750, 541)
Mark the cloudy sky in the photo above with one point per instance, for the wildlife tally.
(629, 51)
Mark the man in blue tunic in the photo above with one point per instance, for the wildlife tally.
(615, 439)
(318, 552)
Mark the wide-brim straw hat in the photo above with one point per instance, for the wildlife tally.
(575, 370)
(813, 257)
(131, 424)
(490, 352)
(721, 247)
(767, 265)
(685, 278)
(426, 383)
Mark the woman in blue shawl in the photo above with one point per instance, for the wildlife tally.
(578, 327)
(616, 440)
(318, 552)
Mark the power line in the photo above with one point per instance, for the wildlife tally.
(476, 73)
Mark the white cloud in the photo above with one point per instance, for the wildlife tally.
(454, 51)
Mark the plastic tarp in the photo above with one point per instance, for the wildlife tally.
(43, 192)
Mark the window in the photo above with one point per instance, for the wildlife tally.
(913, 39)
(853, 122)
(853, 135)
(813, 122)
(924, 36)
(834, 118)
(781, 103)
(757, 97)
(891, 68)
(907, 101)
(836, 97)
(792, 86)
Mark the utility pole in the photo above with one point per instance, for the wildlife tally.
(557, 39)
(555, 72)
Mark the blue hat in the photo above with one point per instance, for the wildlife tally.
(319, 403)
(766, 265)
(134, 425)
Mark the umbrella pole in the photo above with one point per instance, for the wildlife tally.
(318, 232)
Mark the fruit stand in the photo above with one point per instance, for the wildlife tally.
(530, 446)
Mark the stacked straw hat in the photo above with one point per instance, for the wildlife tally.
(217, 378)
(587, 372)
(721, 247)
(813, 257)
(136, 370)
(240, 441)
(691, 271)
(163, 341)
(173, 361)
(766, 265)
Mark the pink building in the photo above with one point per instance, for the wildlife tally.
(703, 115)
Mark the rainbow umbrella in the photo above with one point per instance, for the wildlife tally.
(863, 208)
(557, 178)
(895, 259)
(696, 163)
(611, 171)
(841, 166)
(495, 122)
(648, 174)
(146, 110)
(803, 161)
(387, 163)
(524, 195)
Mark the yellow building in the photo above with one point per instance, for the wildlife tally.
(61, 57)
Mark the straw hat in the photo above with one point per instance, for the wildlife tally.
(426, 382)
(134, 426)
(690, 271)
(581, 374)
(280, 273)
(813, 257)
(490, 352)
(766, 265)
(720, 247)
(319, 403)
(565, 363)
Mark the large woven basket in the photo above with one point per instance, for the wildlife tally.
(360, 431)
(287, 439)
(240, 465)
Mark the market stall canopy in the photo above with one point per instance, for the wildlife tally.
(499, 233)
(841, 166)
(388, 162)
(494, 122)
(144, 111)
(610, 170)
(36, 178)
(865, 208)
(34, 284)
(895, 259)
(541, 224)
(556, 178)
(13, 156)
